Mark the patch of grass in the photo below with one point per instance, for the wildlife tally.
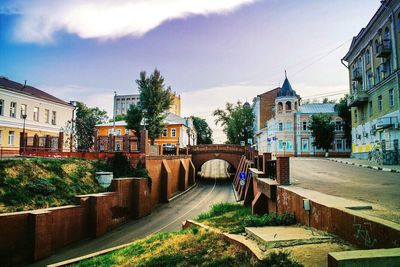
(191, 247)
(39, 183)
(233, 218)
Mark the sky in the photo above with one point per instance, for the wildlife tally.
(210, 52)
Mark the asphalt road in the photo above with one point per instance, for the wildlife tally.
(379, 188)
(166, 217)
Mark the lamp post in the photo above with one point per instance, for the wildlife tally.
(23, 130)
(188, 133)
(71, 145)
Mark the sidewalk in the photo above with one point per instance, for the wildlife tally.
(367, 164)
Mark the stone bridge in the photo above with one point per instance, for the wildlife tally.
(230, 153)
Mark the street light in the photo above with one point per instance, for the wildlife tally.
(188, 133)
(23, 130)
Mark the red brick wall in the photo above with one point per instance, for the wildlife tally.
(267, 101)
(282, 170)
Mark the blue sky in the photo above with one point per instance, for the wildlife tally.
(209, 51)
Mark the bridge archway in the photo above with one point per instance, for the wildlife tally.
(216, 168)
(229, 153)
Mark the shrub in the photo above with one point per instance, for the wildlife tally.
(269, 219)
(40, 186)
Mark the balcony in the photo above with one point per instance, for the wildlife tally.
(384, 50)
(385, 122)
(356, 74)
(358, 98)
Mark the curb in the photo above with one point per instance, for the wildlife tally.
(182, 193)
(385, 169)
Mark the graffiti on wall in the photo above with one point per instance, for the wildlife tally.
(362, 232)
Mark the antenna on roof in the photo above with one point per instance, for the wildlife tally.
(24, 85)
(285, 75)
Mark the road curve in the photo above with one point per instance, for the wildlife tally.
(165, 217)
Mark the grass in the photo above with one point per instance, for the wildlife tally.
(191, 247)
(39, 183)
(233, 218)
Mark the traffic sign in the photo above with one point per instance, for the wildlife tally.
(242, 175)
(242, 182)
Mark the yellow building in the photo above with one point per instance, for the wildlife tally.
(44, 114)
(175, 133)
(122, 103)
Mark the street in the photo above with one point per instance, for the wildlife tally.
(166, 217)
(376, 187)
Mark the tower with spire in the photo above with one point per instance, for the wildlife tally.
(287, 100)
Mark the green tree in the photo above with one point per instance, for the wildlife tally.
(237, 122)
(85, 125)
(155, 100)
(119, 117)
(344, 112)
(323, 131)
(204, 132)
(134, 118)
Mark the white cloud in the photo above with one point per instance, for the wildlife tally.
(106, 19)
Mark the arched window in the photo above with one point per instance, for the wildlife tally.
(295, 105)
(280, 107)
(288, 105)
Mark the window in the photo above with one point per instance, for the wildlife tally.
(378, 74)
(367, 57)
(355, 116)
(380, 107)
(289, 126)
(165, 132)
(280, 126)
(23, 110)
(47, 116)
(305, 126)
(1, 107)
(36, 114)
(376, 46)
(391, 98)
(173, 132)
(11, 137)
(289, 144)
(338, 126)
(13, 109)
(280, 107)
(387, 34)
(53, 118)
(288, 105)
(280, 144)
(369, 79)
(370, 108)
(339, 144)
(118, 132)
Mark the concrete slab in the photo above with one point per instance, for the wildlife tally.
(284, 236)
(329, 200)
(361, 258)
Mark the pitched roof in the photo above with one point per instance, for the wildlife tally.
(28, 90)
(286, 89)
(317, 108)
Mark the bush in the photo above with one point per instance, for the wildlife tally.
(269, 219)
(41, 186)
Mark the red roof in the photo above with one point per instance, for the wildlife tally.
(28, 90)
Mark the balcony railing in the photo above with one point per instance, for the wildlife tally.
(358, 98)
(384, 49)
(356, 74)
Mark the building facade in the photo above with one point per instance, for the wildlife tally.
(40, 112)
(263, 110)
(122, 103)
(373, 66)
(287, 132)
(179, 132)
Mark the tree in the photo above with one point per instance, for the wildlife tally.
(134, 118)
(237, 121)
(323, 131)
(344, 112)
(119, 117)
(85, 125)
(204, 132)
(155, 100)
